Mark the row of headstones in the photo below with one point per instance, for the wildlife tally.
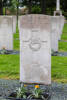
(8, 26)
(38, 35)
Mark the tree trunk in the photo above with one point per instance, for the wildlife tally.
(43, 6)
(17, 10)
(1, 7)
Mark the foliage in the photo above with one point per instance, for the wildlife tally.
(21, 92)
(3, 51)
(37, 93)
(15, 3)
(36, 9)
(50, 5)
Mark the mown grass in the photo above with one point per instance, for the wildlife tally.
(59, 69)
(65, 28)
(63, 46)
(16, 42)
(64, 35)
(9, 66)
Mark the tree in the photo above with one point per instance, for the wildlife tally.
(34, 3)
(1, 7)
(43, 6)
(2, 4)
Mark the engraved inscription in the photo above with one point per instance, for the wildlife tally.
(35, 63)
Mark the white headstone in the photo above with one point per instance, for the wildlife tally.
(55, 33)
(6, 36)
(14, 23)
(62, 21)
(57, 28)
(35, 50)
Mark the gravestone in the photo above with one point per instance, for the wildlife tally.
(35, 50)
(54, 33)
(61, 24)
(6, 36)
(14, 24)
(57, 23)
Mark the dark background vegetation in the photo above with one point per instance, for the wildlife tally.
(34, 6)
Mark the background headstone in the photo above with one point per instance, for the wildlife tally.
(14, 23)
(6, 36)
(54, 33)
(35, 50)
(62, 21)
(57, 23)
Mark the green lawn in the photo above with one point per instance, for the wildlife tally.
(63, 46)
(9, 66)
(59, 69)
(65, 28)
(64, 35)
(16, 41)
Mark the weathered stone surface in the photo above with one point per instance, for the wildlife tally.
(35, 50)
(57, 23)
(54, 33)
(6, 36)
(57, 5)
(14, 23)
(58, 12)
(61, 24)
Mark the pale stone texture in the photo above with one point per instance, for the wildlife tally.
(35, 50)
(61, 24)
(54, 33)
(57, 23)
(57, 5)
(6, 36)
(58, 11)
(14, 23)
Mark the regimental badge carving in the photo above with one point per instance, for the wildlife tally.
(35, 44)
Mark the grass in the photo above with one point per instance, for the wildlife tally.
(16, 41)
(63, 46)
(65, 28)
(59, 69)
(64, 35)
(9, 66)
